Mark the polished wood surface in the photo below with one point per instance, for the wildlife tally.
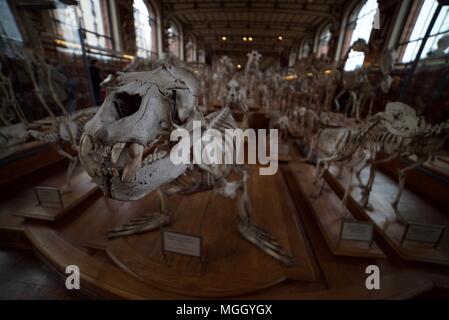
(414, 209)
(425, 181)
(233, 266)
(32, 157)
(82, 187)
(108, 270)
(329, 213)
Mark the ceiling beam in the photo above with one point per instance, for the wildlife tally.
(247, 26)
(258, 10)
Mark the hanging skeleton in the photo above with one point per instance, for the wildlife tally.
(126, 147)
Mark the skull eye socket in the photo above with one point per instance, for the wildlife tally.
(126, 104)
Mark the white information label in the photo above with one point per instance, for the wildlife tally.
(424, 233)
(48, 197)
(357, 231)
(181, 243)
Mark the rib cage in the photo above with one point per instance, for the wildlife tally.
(207, 177)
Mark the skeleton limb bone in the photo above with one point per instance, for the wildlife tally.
(401, 175)
(369, 185)
(260, 238)
(145, 223)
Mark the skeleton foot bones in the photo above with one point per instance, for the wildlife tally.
(125, 149)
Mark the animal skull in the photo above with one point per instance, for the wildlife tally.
(126, 147)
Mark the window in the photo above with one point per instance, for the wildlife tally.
(144, 24)
(90, 15)
(95, 20)
(323, 42)
(173, 40)
(65, 23)
(418, 23)
(190, 50)
(292, 58)
(359, 26)
(307, 48)
(8, 24)
(201, 55)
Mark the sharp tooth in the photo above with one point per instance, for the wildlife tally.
(106, 150)
(116, 151)
(86, 157)
(135, 151)
(148, 159)
(86, 145)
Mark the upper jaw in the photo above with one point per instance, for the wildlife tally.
(122, 166)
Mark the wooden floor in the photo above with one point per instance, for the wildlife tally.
(132, 267)
(24, 276)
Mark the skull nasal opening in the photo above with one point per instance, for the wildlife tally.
(126, 104)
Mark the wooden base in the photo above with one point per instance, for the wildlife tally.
(329, 213)
(319, 274)
(412, 207)
(233, 266)
(81, 188)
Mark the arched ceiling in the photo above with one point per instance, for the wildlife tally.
(263, 20)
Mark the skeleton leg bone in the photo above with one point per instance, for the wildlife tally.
(401, 175)
(145, 223)
(369, 185)
(260, 238)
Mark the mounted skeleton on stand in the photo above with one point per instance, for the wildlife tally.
(222, 74)
(361, 92)
(126, 147)
(402, 134)
(397, 132)
(63, 131)
(235, 99)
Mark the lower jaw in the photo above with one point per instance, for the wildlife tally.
(148, 178)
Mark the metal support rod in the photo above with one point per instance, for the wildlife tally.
(409, 76)
(81, 33)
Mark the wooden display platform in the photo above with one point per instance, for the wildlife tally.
(232, 266)
(82, 187)
(328, 212)
(412, 207)
(107, 270)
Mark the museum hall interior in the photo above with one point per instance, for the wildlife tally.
(211, 149)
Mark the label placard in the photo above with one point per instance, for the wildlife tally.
(425, 233)
(48, 197)
(283, 149)
(357, 231)
(181, 243)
